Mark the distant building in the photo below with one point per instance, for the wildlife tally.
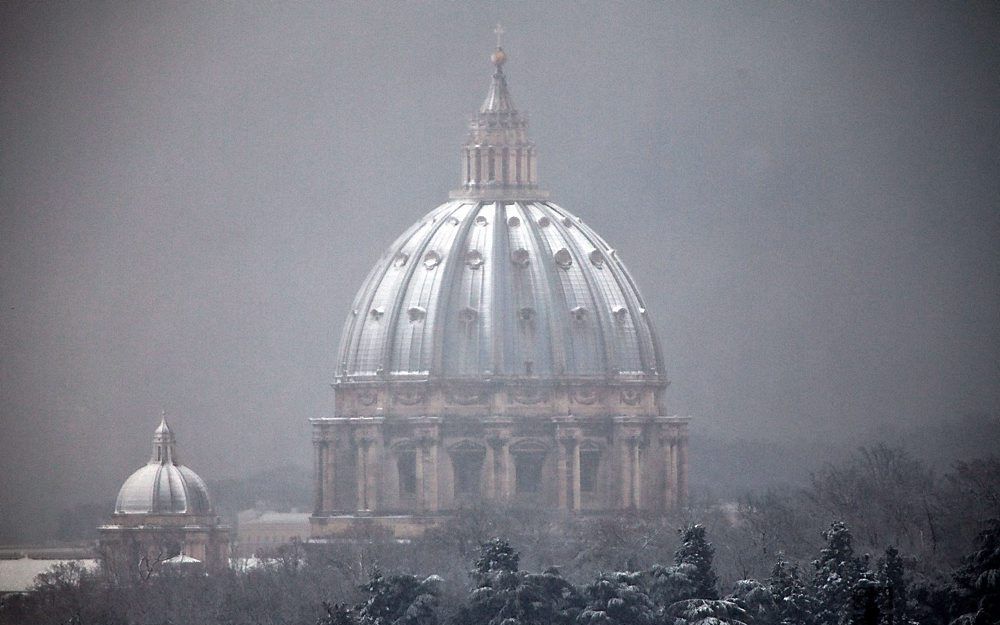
(261, 531)
(163, 515)
(498, 351)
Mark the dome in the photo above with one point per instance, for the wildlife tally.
(499, 289)
(499, 283)
(163, 486)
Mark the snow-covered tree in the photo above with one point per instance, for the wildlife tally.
(758, 601)
(506, 596)
(398, 600)
(838, 571)
(695, 550)
(707, 612)
(337, 614)
(977, 582)
(894, 594)
(617, 599)
(794, 604)
(667, 585)
(496, 556)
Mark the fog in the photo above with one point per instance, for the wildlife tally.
(807, 194)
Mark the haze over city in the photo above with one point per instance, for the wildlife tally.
(191, 195)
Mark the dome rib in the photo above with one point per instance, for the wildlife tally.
(389, 360)
(557, 329)
(443, 317)
(605, 347)
(362, 305)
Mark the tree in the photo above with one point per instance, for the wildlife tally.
(669, 584)
(696, 551)
(793, 603)
(617, 599)
(707, 612)
(977, 582)
(837, 573)
(883, 493)
(398, 600)
(337, 614)
(496, 556)
(894, 597)
(758, 601)
(506, 596)
(864, 608)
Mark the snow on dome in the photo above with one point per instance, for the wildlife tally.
(163, 486)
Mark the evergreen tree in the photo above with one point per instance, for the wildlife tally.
(336, 614)
(398, 600)
(758, 601)
(506, 596)
(837, 573)
(707, 612)
(696, 551)
(794, 605)
(496, 556)
(893, 590)
(667, 585)
(865, 608)
(977, 582)
(617, 599)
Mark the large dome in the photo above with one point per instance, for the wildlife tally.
(498, 351)
(499, 289)
(163, 486)
(499, 283)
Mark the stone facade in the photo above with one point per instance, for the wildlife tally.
(425, 449)
(135, 545)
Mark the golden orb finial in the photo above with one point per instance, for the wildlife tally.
(499, 57)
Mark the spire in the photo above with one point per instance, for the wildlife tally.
(163, 443)
(498, 159)
(498, 98)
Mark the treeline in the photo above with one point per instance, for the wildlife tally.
(839, 588)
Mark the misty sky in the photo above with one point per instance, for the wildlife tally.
(808, 195)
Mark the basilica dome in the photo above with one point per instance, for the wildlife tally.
(163, 486)
(498, 351)
(499, 283)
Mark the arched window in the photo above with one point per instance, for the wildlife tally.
(529, 460)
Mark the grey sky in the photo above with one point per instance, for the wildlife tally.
(191, 193)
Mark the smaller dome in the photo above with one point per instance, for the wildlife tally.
(163, 486)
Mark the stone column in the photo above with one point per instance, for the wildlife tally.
(489, 473)
(373, 465)
(362, 473)
(318, 477)
(418, 471)
(432, 483)
(682, 468)
(561, 478)
(670, 495)
(329, 475)
(576, 474)
(634, 444)
(507, 464)
(625, 468)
